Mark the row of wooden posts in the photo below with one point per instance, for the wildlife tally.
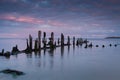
(50, 44)
(42, 43)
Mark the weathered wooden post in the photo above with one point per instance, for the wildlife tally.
(52, 37)
(73, 41)
(30, 42)
(62, 39)
(52, 40)
(2, 51)
(39, 40)
(44, 40)
(15, 49)
(68, 42)
(27, 44)
(36, 45)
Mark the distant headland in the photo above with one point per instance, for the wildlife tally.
(113, 37)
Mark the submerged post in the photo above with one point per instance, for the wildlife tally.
(39, 40)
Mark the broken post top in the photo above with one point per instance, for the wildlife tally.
(44, 34)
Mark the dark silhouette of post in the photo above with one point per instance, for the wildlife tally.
(68, 42)
(15, 49)
(51, 41)
(52, 38)
(27, 44)
(30, 42)
(73, 41)
(36, 45)
(44, 40)
(2, 51)
(103, 46)
(62, 39)
(115, 45)
(39, 40)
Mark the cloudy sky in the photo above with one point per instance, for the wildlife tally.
(83, 18)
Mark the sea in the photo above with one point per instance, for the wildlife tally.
(67, 63)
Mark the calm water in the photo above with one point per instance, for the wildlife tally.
(67, 63)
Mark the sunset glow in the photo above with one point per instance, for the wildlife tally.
(75, 17)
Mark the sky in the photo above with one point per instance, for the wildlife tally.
(82, 18)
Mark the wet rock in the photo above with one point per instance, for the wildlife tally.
(9, 71)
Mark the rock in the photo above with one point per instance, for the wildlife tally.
(9, 71)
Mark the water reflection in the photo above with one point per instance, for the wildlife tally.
(80, 63)
(37, 54)
(62, 51)
(45, 58)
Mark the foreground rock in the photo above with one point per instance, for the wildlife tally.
(13, 72)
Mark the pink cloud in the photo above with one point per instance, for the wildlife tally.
(31, 20)
(25, 19)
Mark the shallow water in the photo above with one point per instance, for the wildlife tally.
(68, 63)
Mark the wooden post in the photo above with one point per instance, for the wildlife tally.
(27, 44)
(15, 49)
(39, 40)
(62, 39)
(68, 42)
(44, 40)
(30, 42)
(52, 38)
(36, 45)
(2, 51)
(73, 40)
